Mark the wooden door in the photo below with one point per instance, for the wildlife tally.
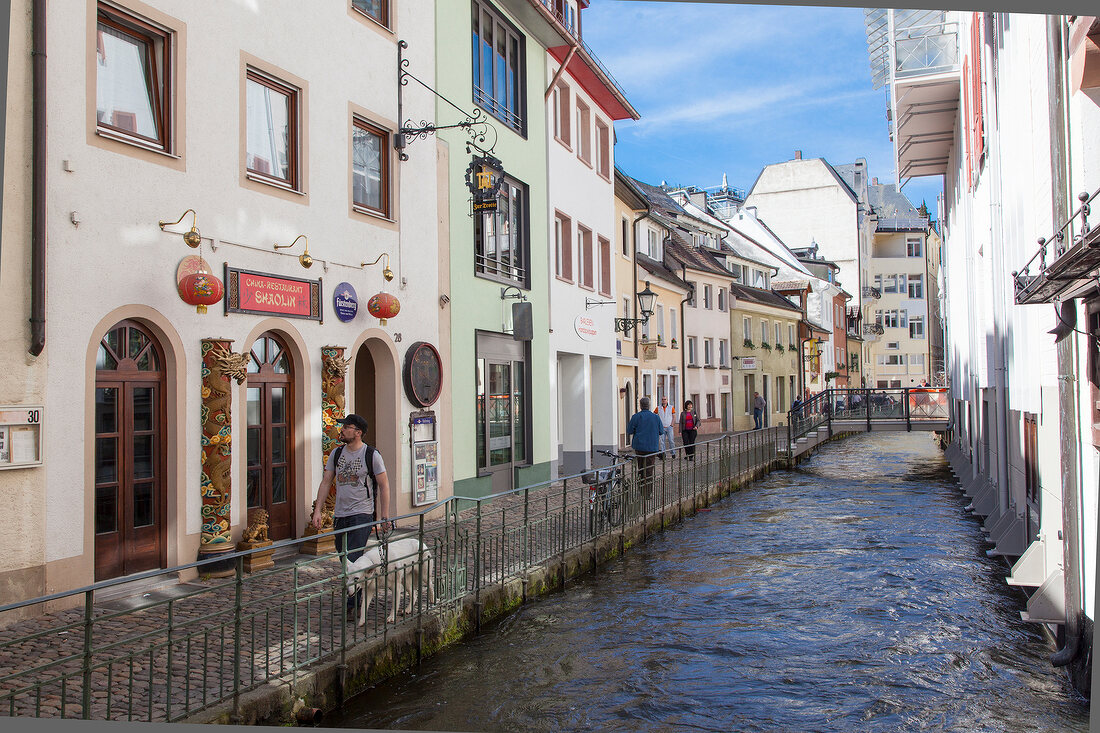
(269, 417)
(130, 524)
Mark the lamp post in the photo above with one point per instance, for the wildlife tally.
(646, 300)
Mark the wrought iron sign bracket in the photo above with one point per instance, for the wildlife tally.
(475, 124)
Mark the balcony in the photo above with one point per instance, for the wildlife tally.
(870, 293)
(873, 329)
(915, 54)
(1074, 259)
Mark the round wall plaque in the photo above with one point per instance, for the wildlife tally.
(423, 374)
(345, 302)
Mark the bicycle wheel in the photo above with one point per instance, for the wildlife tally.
(615, 510)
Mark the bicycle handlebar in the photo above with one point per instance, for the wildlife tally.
(613, 454)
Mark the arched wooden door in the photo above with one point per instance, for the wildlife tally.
(130, 502)
(269, 416)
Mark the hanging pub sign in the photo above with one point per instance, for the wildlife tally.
(423, 374)
(272, 295)
(484, 178)
(344, 302)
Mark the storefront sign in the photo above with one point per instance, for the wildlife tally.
(586, 328)
(272, 295)
(484, 178)
(423, 374)
(748, 362)
(344, 302)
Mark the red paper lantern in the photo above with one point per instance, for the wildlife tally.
(200, 289)
(383, 306)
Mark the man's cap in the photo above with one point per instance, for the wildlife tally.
(355, 421)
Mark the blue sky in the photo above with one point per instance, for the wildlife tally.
(731, 88)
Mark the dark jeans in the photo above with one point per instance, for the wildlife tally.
(646, 462)
(758, 417)
(689, 442)
(354, 539)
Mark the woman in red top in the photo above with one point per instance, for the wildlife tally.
(689, 428)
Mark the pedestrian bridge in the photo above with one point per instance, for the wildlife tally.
(836, 411)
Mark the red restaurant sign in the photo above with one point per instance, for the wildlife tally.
(256, 292)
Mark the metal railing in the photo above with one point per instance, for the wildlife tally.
(906, 405)
(165, 657)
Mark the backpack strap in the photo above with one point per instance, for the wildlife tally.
(369, 458)
(336, 457)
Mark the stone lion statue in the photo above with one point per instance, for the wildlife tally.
(256, 531)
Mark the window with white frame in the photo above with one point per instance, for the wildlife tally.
(563, 246)
(561, 113)
(710, 405)
(916, 286)
(672, 323)
(746, 327)
(647, 385)
(723, 353)
(584, 131)
(626, 307)
(692, 354)
(652, 240)
(790, 336)
(763, 332)
(708, 350)
(660, 316)
(625, 243)
(893, 345)
(708, 297)
(916, 327)
(778, 334)
(891, 359)
(913, 247)
(722, 299)
(916, 363)
(890, 284)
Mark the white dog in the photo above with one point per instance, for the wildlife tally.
(402, 565)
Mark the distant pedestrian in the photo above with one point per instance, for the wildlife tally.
(758, 405)
(689, 429)
(667, 413)
(644, 431)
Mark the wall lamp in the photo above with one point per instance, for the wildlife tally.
(386, 271)
(191, 238)
(646, 300)
(303, 258)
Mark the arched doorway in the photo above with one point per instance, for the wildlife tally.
(130, 503)
(376, 391)
(269, 414)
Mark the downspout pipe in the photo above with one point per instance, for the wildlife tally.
(634, 305)
(38, 190)
(683, 335)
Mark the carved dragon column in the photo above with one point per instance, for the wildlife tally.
(219, 367)
(333, 369)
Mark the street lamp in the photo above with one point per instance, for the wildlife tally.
(646, 300)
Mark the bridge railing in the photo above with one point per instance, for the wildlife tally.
(905, 405)
(167, 656)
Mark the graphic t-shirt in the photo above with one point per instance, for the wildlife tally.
(354, 492)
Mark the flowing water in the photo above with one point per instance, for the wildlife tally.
(852, 594)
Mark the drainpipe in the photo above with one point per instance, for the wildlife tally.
(634, 306)
(683, 335)
(38, 190)
(1067, 378)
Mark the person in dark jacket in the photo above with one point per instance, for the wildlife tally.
(644, 431)
(689, 428)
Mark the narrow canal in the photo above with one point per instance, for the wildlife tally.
(851, 594)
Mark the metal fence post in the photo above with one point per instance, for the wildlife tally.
(908, 414)
(564, 509)
(237, 592)
(420, 584)
(86, 664)
(477, 571)
(867, 406)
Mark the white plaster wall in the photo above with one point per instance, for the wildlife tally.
(588, 199)
(118, 257)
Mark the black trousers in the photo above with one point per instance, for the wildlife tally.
(689, 442)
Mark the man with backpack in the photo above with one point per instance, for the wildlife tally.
(362, 487)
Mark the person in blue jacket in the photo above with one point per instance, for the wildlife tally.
(644, 431)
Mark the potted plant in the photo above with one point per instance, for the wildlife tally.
(779, 348)
(749, 344)
(766, 345)
(674, 342)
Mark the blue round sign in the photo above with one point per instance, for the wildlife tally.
(344, 302)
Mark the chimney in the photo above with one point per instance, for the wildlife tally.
(874, 181)
(798, 155)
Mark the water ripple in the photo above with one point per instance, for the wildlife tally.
(852, 594)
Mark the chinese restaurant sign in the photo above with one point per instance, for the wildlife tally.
(271, 295)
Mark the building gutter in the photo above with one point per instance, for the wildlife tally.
(1067, 379)
(38, 189)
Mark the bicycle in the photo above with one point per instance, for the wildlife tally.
(606, 489)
